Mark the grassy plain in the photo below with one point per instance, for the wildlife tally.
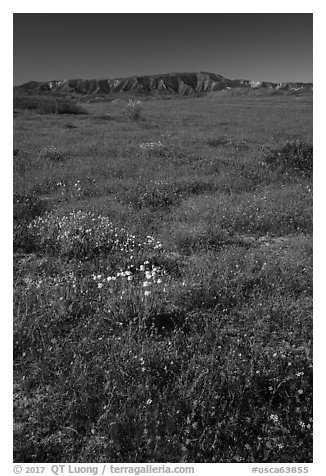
(163, 283)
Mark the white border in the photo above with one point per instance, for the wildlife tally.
(169, 6)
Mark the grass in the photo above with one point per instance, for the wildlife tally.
(163, 282)
(47, 105)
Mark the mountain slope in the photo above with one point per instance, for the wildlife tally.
(173, 83)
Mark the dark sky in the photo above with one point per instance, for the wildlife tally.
(271, 47)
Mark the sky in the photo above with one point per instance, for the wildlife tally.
(262, 47)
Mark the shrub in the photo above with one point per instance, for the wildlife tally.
(163, 194)
(294, 156)
(27, 207)
(218, 141)
(52, 153)
(133, 109)
(69, 107)
(155, 195)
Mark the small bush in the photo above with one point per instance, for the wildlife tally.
(52, 153)
(224, 141)
(27, 207)
(133, 110)
(294, 156)
(161, 194)
(155, 195)
(69, 107)
(218, 142)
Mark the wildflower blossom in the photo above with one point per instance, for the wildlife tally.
(274, 418)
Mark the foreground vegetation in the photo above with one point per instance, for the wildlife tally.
(163, 281)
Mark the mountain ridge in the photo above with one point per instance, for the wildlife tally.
(167, 83)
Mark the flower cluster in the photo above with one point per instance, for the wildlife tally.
(151, 145)
(146, 276)
(77, 186)
(81, 234)
(273, 418)
(54, 281)
(160, 183)
(62, 188)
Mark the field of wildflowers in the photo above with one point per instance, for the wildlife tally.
(163, 282)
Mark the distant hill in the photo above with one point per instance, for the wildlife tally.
(184, 84)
